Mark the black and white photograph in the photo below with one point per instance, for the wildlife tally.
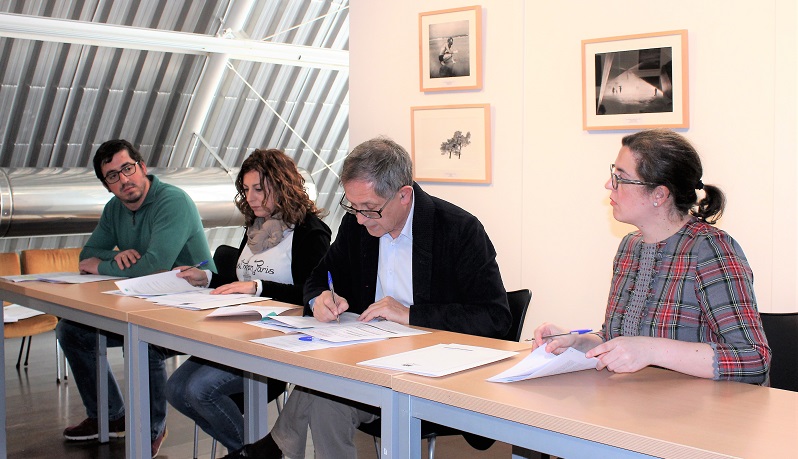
(448, 50)
(449, 45)
(635, 81)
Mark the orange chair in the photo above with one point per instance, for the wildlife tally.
(25, 328)
(38, 261)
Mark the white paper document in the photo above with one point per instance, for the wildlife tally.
(540, 363)
(156, 284)
(15, 313)
(298, 342)
(294, 323)
(360, 331)
(440, 359)
(264, 311)
(202, 299)
(61, 278)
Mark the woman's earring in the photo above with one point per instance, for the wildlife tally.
(655, 204)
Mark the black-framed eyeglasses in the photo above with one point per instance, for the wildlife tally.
(372, 214)
(128, 170)
(616, 179)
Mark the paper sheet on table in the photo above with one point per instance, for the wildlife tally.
(202, 299)
(156, 284)
(303, 322)
(362, 331)
(540, 363)
(61, 277)
(243, 310)
(293, 342)
(440, 359)
(15, 313)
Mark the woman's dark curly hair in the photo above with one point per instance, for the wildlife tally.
(279, 172)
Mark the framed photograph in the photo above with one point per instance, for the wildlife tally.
(451, 143)
(450, 49)
(635, 81)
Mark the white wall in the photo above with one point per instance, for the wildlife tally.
(546, 210)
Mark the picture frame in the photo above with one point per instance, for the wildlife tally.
(451, 143)
(450, 49)
(635, 81)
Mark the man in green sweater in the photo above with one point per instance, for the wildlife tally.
(148, 226)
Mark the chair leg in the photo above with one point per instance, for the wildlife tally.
(196, 441)
(21, 349)
(376, 446)
(213, 448)
(27, 354)
(58, 363)
(431, 446)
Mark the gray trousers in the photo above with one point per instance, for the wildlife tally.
(332, 426)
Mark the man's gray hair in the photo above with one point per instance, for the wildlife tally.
(382, 162)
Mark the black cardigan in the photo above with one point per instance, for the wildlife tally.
(456, 281)
(311, 241)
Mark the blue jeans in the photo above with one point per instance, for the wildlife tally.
(79, 343)
(206, 392)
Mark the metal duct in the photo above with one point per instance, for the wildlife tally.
(58, 201)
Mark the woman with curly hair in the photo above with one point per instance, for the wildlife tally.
(284, 241)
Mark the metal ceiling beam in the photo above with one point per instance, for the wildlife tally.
(125, 37)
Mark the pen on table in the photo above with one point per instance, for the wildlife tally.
(330, 284)
(202, 263)
(581, 331)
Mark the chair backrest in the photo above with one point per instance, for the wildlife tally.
(36, 261)
(225, 257)
(9, 266)
(782, 334)
(519, 303)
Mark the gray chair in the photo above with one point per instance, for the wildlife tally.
(782, 333)
(519, 303)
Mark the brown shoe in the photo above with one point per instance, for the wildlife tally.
(156, 444)
(90, 430)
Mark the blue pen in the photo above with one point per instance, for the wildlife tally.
(572, 332)
(202, 263)
(332, 290)
(305, 338)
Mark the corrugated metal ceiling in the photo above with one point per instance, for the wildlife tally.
(59, 101)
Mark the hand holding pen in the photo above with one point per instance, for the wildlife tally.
(193, 276)
(580, 331)
(202, 263)
(335, 302)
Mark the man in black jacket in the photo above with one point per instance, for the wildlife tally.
(402, 255)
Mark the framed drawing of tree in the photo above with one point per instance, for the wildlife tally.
(451, 143)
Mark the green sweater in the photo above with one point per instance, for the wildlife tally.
(166, 231)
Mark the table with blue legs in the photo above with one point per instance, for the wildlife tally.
(333, 371)
(86, 304)
(590, 414)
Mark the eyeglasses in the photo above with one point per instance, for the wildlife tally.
(128, 170)
(616, 179)
(372, 214)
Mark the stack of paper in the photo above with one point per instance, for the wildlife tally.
(156, 284)
(439, 360)
(264, 311)
(540, 363)
(301, 342)
(61, 278)
(202, 299)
